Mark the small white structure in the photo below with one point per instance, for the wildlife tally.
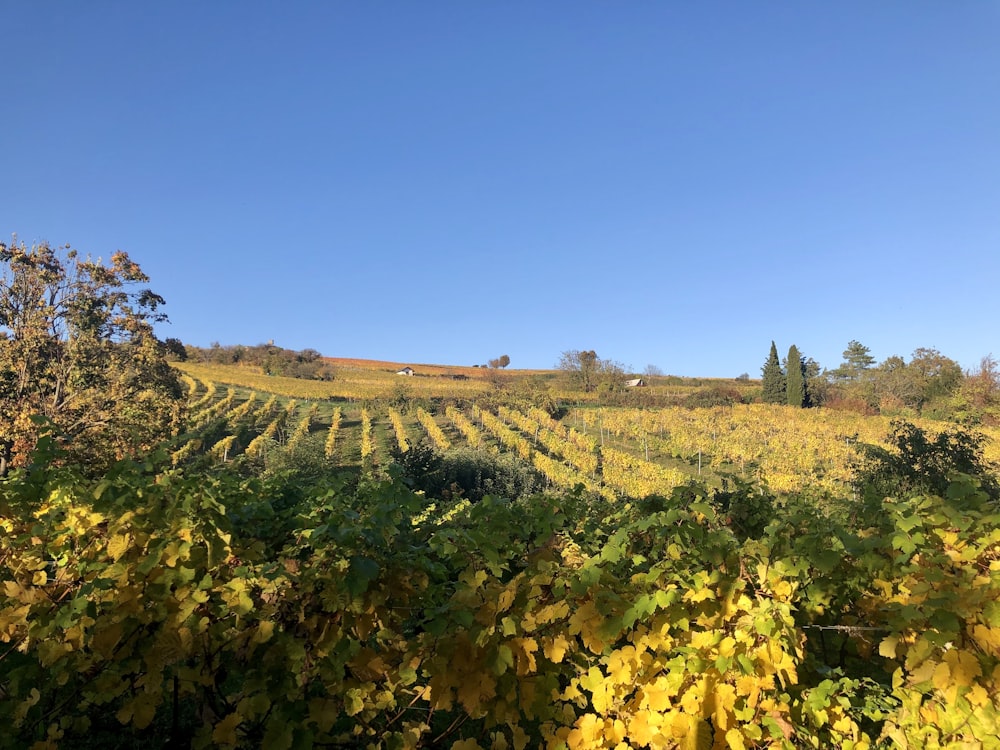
(635, 383)
(405, 371)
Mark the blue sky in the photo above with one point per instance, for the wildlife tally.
(668, 183)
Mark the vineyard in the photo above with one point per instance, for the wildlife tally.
(277, 579)
(611, 451)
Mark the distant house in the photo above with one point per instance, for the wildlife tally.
(405, 371)
(635, 383)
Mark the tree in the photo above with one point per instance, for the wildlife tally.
(582, 367)
(939, 376)
(773, 379)
(978, 397)
(857, 359)
(590, 371)
(795, 378)
(175, 349)
(817, 384)
(77, 348)
(500, 362)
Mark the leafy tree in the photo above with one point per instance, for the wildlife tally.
(590, 372)
(773, 379)
(928, 380)
(795, 376)
(978, 397)
(175, 349)
(894, 382)
(77, 348)
(499, 363)
(582, 366)
(817, 385)
(939, 376)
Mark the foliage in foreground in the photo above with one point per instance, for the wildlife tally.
(145, 605)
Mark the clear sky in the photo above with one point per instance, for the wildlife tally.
(668, 183)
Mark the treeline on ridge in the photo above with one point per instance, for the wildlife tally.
(307, 364)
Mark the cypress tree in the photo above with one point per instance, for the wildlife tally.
(773, 379)
(795, 382)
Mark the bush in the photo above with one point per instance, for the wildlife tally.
(466, 472)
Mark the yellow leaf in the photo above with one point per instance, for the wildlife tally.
(265, 629)
(657, 694)
(621, 665)
(704, 640)
(586, 732)
(40, 578)
(735, 740)
(117, 546)
(964, 667)
(506, 599)
(887, 647)
(988, 639)
(640, 730)
(844, 725)
(725, 697)
(525, 652)
(782, 590)
(942, 676)
(587, 621)
(923, 673)
(555, 648)
(225, 731)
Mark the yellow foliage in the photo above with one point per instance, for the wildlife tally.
(555, 647)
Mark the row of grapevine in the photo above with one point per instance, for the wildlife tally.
(433, 429)
(397, 424)
(214, 410)
(636, 477)
(258, 445)
(242, 411)
(469, 431)
(556, 443)
(367, 437)
(191, 386)
(561, 475)
(266, 412)
(331, 437)
(513, 440)
(205, 398)
(221, 449)
(302, 429)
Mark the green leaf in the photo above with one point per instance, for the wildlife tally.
(360, 572)
(504, 660)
